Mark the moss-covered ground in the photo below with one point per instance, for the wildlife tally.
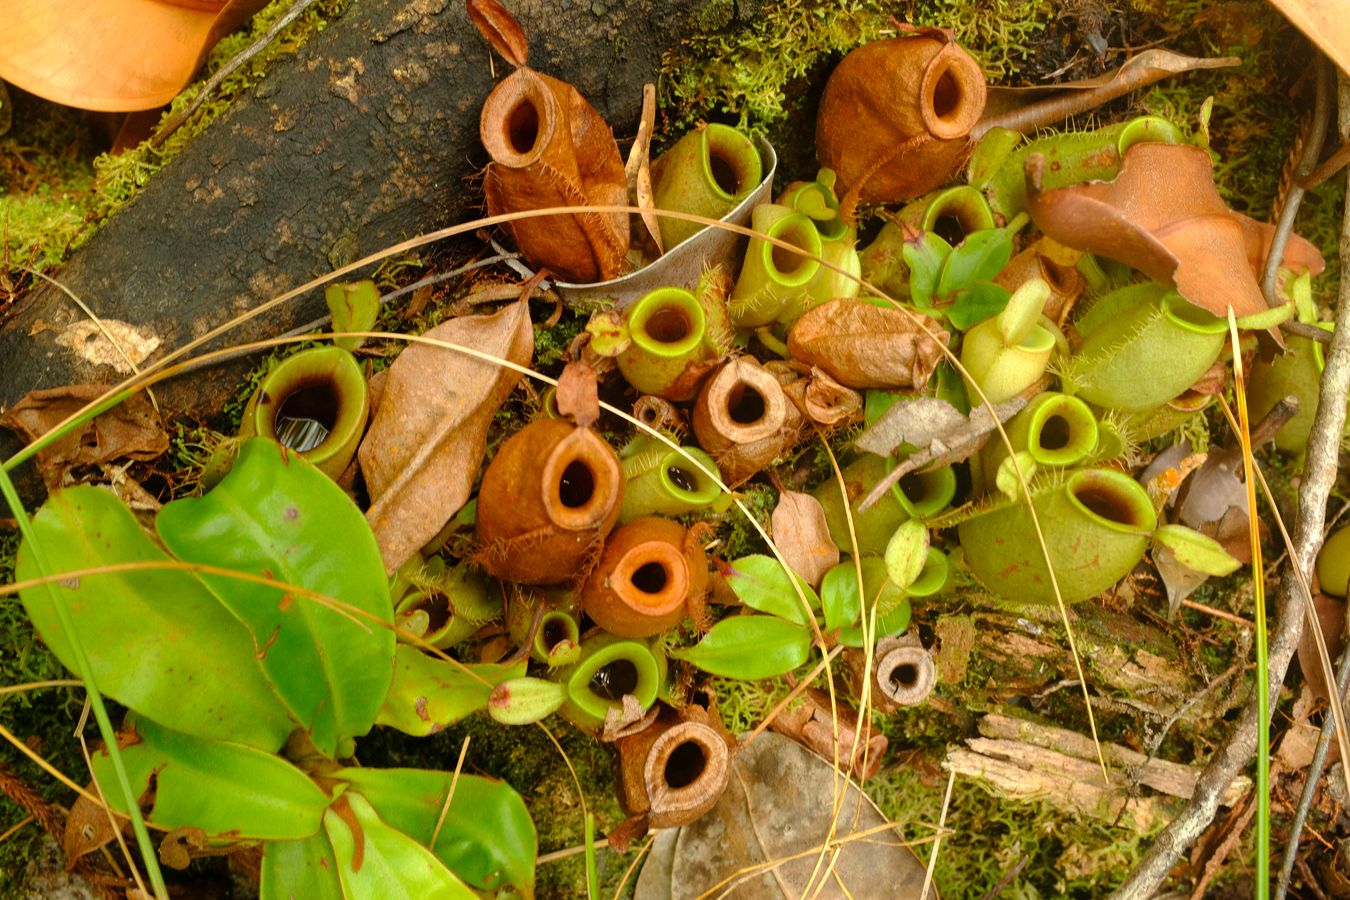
(760, 64)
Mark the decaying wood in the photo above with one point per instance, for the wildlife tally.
(367, 136)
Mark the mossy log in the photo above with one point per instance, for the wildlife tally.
(368, 136)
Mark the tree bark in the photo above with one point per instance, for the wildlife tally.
(368, 136)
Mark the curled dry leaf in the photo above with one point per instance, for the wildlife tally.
(180, 845)
(578, 395)
(1025, 109)
(864, 346)
(803, 536)
(1163, 216)
(940, 431)
(426, 442)
(638, 169)
(130, 430)
(500, 29)
(830, 733)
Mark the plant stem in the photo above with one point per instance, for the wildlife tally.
(95, 697)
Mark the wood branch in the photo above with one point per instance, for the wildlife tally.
(1319, 470)
(367, 136)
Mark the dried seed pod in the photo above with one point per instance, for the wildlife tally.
(548, 499)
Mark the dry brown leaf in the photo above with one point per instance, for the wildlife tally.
(803, 537)
(942, 434)
(1025, 109)
(88, 827)
(1325, 23)
(1331, 615)
(639, 168)
(426, 442)
(783, 803)
(1163, 216)
(578, 396)
(500, 29)
(130, 430)
(864, 346)
(180, 845)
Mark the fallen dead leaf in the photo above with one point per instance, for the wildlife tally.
(1325, 23)
(1163, 216)
(426, 442)
(763, 837)
(578, 395)
(803, 537)
(180, 845)
(864, 346)
(130, 430)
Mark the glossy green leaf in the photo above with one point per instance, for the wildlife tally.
(750, 647)
(982, 300)
(839, 596)
(980, 257)
(428, 694)
(158, 640)
(925, 255)
(1196, 551)
(355, 306)
(300, 870)
(487, 838)
(278, 516)
(377, 862)
(223, 789)
(762, 583)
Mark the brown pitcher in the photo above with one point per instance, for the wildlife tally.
(650, 570)
(896, 115)
(549, 147)
(548, 500)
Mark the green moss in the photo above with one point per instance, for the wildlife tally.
(999, 33)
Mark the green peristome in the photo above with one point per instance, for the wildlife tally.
(933, 577)
(669, 332)
(1333, 564)
(707, 173)
(772, 275)
(227, 790)
(925, 494)
(558, 640)
(1096, 524)
(818, 201)
(1001, 370)
(662, 481)
(485, 835)
(1056, 429)
(1143, 346)
(447, 611)
(1297, 373)
(609, 668)
(314, 402)
(951, 212)
(873, 527)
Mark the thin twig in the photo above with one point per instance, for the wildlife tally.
(234, 65)
(1319, 475)
(1312, 150)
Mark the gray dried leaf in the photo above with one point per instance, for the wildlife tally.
(803, 537)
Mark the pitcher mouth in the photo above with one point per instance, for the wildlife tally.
(668, 322)
(953, 95)
(518, 120)
(581, 481)
(652, 578)
(1112, 499)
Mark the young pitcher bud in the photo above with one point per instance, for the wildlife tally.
(523, 701)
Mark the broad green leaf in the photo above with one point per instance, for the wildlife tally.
(487, 838)
(1195, 550)
(750, 647)
(377, 862)
(158, 640)
(224, 789)
(839, 596)
(292, 870)
(278, 516)
(355, 306)
(982, 300)
(428, 694)
(906, 553)
(924, 256)
(878, 589)
(762, 583)
(980, 257)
